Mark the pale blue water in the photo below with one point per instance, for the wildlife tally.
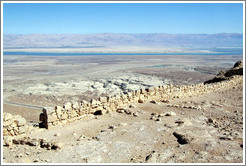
(91, 54)
(219, 51)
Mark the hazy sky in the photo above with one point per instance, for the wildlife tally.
(81, 18)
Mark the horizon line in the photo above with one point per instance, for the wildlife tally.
(122, 33)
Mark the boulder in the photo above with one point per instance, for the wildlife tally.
(59, 110)
(20, 121)
(141, 99)
(52, 117)
(153, 101)
(182, 138)
(170, 114)
(57, 145)
(132, 106)
(7, 141)
(103, 99)
(75, 105)
(23, 129)
(7, 116)
(67, 106)
(93, 102)
(84, 103)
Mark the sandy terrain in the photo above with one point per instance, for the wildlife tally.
(213, 134)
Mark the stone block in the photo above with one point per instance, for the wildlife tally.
(7, 116)
(7, 141)
(52, 117)
(23, 129)
(20, 121)
(93, 102)
(117, 97)
(58, 110)
(84, 103)
(67, 106)
(5, 132)
(64, 116)
(103, 99)
(141, 99)
(74, 113)
(75, 105)
(8, 122)
(150, 89)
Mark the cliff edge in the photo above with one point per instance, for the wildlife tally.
(226, 75)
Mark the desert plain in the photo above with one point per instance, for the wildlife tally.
(215, 132)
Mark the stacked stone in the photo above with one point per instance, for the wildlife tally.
(14, 125)
(69, 112)
(73, 110)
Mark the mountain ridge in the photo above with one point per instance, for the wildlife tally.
(123, 39)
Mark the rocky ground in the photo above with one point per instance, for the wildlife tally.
(200, 129)
(33, 82)
(209, 130)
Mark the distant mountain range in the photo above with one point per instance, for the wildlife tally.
(211, 42)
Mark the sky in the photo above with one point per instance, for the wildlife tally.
(82, 18)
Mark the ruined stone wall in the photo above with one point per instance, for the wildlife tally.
(74, 110)
(14, 125)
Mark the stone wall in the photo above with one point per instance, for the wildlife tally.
(74, 110)
(14, 125)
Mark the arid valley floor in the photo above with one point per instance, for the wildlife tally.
(215, 132)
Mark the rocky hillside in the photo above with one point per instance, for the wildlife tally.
(198, 128)
(228, 74)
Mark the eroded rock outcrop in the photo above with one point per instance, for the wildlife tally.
(226, 75)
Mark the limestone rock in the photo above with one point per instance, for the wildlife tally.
(153, 101)
(151, 158)
(20, 121)
(132, 106)
(170, 114)
(93, 102)
(103, 99)
(7, 116)
(57, 145)
(141, 99)
(84, 102)
(23, 129)
(121, 110)
(67, 106)
(182, 138)
(75, 105)
(7, 141)
(57, 134)
(135, 114)
(226, 75)
(58, 110)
